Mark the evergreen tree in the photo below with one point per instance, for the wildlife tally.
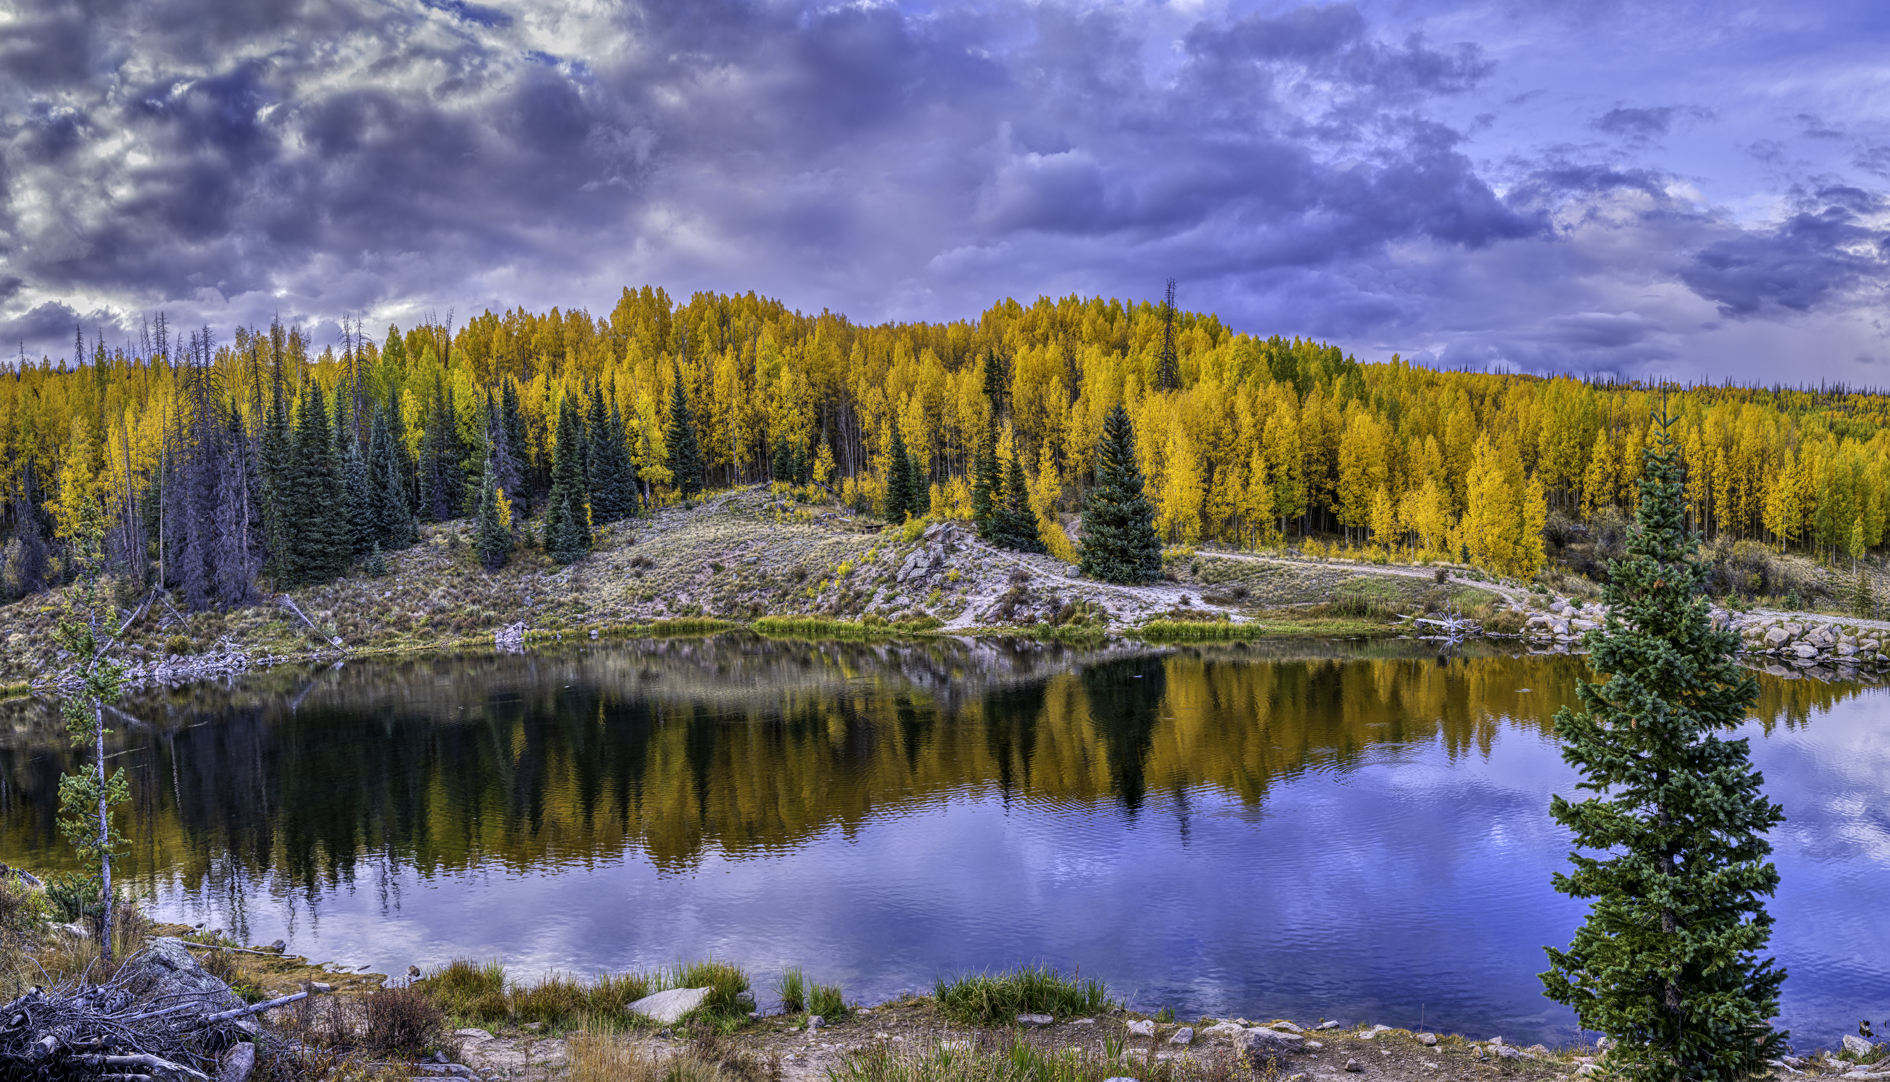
(685, 454)
(1168, 365)
(613, 483)
(442, 457)
(994, 384)
(273, 464)
(987, 487)
(783, 461)
(1667, 962)
(319, 544)
(567, 524)
(514, 461)
(494, 539)
(26, 568)
(390, 518)
(360, 495)
(918, 486)
(898, 479)
(804, 458)
(1119, 539)
(1015, 524)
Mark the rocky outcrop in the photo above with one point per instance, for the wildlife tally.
(1784, 645)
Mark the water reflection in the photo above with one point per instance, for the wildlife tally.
(1288, 827)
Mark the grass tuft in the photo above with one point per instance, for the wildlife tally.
(792, 988)
(1199, 631)
(1011, 1059)
(827, 1001)
(997, 999)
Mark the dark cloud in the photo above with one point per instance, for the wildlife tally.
(1296, 168)
(1828, 247)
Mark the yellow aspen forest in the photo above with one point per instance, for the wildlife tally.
(1265, 442)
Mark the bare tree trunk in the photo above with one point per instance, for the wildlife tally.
(104, 827)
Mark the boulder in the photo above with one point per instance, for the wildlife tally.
(1855, 1045)
(1183, 1036)
(669, 1006)
(1804, 650)
(1143, 1028)
(1269, 1041)
(1429, 1040)
(1232, 1031)
(237, 1063)
(1776, 637)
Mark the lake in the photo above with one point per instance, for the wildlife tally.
(1304, 830)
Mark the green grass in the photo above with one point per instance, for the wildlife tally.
(1199, 631)
(792, 988)
(823, 627)
(1012, 1060)
(827, 1001)
(479, 993)
(998, 998)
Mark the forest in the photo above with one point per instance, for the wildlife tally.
(209, 460)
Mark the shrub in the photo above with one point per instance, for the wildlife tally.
(466, 989)
(987, 999)
(792, 988)
(827, 1001)
(402, 1021)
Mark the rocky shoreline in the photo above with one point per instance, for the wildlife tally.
(1787, 645)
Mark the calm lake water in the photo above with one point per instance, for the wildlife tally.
(1297, 830)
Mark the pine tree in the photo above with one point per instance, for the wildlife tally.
(567, 525)
(613, 483)
(807, 458)
(1667, 961)
(1168, 365)
(783, 467)
(360, 496)
(442, 458)
(390, 517)
(318, 543)
(1119, 540)
(918, 486)
(514, 462)
(994, 384)
(898, 479)
(599, 484)
(494, 540)
(1016, 524)
(685, 454)
(987, 488)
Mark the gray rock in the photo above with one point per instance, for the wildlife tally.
(1184, 1035)
(1805, 650)
(1372, 1033)
(1268, 1041)
(165, 971)
(669, 1006)
(1233, 1031)
(472, 1034)
(814, 1022)
(1845, 649)
(1429, 1040)
(1776, 637)
(1856, 1045)
(237, 1063)
(1287, 1026)
(1143, 1028)
(1034, 1020)
(453, 1070)
(1354, 1066)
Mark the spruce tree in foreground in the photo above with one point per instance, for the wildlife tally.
(567, 518)
(1667, 963)
(987, 488)
(898, 479)
(1119, 539)
(494, 539)
(685, 454)
(1015, 525)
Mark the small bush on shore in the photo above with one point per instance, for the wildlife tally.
(998, 998)
(402, 1021)
(827, 1001)
(466, 989)
(792, 988)
(726, 984)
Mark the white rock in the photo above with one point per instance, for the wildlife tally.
(1142, 1028)
(1269, 1040)
(1427, 1039)
(1184, 1035)
(669, 1006)
(237, 1063)
(1327, 1025)
(1230, 1030)
(1034, 1019)
(472, 1034)
(1287, 1026)
(1856, 1045)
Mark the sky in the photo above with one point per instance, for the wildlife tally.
(1672, 190)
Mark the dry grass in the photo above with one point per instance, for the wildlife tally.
(598, 1055)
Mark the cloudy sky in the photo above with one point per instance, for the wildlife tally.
(1677, 189)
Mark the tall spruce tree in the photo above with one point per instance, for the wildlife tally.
(514, 462)
(898, 479)
(1667, 963)
(319, 541)
(1015, 525)
(685, 454)
(390, 515)
(1168, 365)
(567, 524)
(442, 457)
(494, 540)
(918, 486)
(783, 465)
(273, 464)
(360, 493)
(1119, 539)
(613, 480)
(987, 487)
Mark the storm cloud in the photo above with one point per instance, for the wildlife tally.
(1327, 170)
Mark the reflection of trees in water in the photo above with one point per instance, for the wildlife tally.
(521, 761)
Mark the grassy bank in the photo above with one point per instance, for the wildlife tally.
(812, 626)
